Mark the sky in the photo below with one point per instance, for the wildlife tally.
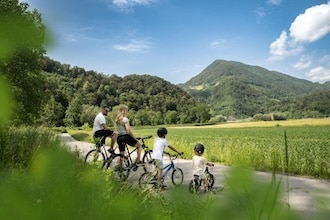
(177, 39)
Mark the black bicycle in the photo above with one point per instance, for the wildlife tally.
(196, 183)
(98, 155)
(122, 165)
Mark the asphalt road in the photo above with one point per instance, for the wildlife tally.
(302, 194)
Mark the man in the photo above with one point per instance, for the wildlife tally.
(101, 130)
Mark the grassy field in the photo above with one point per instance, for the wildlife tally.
(299, 147)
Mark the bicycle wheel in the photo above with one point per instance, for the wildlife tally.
(147, 161)
(192, 187)
(177, 177)
(120, 166)
(147, 180)
(210, 182)
(95, 157)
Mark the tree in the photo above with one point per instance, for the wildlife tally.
(73, 113)
(52, 114)
(21, 51)
(88, 114)
(171, 117)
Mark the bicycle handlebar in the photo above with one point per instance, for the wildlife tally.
(144, 137)
(173, 156)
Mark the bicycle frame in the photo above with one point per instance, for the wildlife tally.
(143, 145)
(167, 168)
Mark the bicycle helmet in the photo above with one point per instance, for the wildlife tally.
(199, 148)
(161, 132)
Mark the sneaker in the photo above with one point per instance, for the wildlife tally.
(162, 187)
(139, 163)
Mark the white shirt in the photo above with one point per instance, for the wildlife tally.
(199, 163)
(159, 147)
(98, 121)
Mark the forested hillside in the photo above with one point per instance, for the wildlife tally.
(76, 94)
(236, 89)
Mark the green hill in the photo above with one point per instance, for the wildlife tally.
(236, 89)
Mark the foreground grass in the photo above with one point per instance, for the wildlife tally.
(59, 186)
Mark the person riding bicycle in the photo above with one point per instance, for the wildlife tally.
(101, 130)
(199, 164)
(157, 153)
(125, 134)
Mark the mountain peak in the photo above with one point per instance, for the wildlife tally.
(241, 88)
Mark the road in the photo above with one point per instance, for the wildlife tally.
(302, 194)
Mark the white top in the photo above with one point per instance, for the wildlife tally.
(98, 121)
(199, 164)
(159, 147)
(121, 129)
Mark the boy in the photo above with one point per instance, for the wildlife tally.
(199, 164)
(157, 153)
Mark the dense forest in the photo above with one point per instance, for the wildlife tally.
(76, 94)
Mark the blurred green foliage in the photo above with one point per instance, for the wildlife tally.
(5, 99)
(19, 144)
(22, 41)
(57, 185)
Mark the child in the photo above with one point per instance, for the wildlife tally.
(199, 164)
(157, 153)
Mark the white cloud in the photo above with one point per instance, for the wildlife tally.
(134, 46)
(325, 59)
(312, 25)
(282, 47)
(274, 2)
(70, 37)
(303, 63)
(219, 44)
(319, 74)
(261, 12)
(306, 28)
(278, 47)
(123, 4)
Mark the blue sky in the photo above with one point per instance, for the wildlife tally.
(177, 39)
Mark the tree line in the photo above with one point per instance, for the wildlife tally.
(76, 94)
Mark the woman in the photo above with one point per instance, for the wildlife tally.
(125, 135)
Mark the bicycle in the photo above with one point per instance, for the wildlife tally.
(98, 154)
(101, 154)
(151, 178)
(196, 183)
(122, 165)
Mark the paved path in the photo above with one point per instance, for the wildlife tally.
(301, 193)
